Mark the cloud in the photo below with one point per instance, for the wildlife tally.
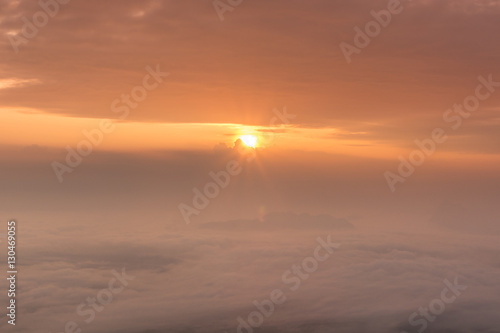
(17, 83)
(282, 221)
(372, 283)
(236, 72)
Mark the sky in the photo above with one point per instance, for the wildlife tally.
(122, 145)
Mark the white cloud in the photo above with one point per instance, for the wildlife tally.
(17, 83)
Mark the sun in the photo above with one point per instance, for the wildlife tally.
(249, 140)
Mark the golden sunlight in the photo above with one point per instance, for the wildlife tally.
(249, 140)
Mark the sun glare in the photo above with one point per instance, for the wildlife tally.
(249, 140)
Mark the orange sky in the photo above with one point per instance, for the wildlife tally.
(170, 78)
(225, 76)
